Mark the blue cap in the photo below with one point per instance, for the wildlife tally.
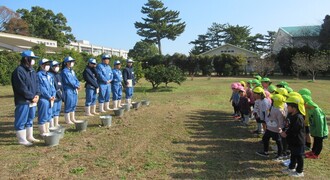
(43, 61)
(116, 62)
(106, 56)
(129, 61)
(54, 63)
(28, 53)
(92, 61)
(68, 59)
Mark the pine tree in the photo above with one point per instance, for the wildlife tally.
(160, 23)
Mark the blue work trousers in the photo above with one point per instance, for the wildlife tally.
(104, 94)
(117, 91)
(57, 108)
(24, 115)
(129, 92)
(90, 97)
(44, 111)
(70, 100)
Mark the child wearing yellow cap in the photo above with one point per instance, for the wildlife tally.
(274, 119)
(295, 135)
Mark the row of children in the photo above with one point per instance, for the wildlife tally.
(290, 118)
(49, 87)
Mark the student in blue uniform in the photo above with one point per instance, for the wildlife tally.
(26, 95)
(129, 80)
(91, 86)
(116, 85)
(47, 96)
(71, 86)
(104, 78)
(54, 71)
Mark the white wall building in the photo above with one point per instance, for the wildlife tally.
(85, 46)
(18, 43)
(235, 51)
(296, 36)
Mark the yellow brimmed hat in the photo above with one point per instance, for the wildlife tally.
(299, 101)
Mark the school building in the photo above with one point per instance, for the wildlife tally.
(19, 43)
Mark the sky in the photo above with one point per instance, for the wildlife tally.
(110, 23)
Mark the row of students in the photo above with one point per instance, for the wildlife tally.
(280, 112)
(47, 88)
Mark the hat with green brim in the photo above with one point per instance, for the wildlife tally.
(309, 101)
(271, 88)
(305, 91)
(265, 79)
(283, 84)
(288, 89)
(258, 77)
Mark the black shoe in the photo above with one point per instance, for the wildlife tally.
(263, 154)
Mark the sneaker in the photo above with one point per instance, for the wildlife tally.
(296, 174)
(310, 153)
(286, 162)
(313, 156)
(263, 154)
(285, 155)
(278, 159)
(288, 171)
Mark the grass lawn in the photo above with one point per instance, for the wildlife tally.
(186, 133)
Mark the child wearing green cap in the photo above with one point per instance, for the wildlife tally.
(318, 127)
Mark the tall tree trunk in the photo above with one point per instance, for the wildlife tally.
(159, 46)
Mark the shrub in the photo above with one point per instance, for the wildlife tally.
(162, 74)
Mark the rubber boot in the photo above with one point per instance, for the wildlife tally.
(42, 129)
(51, 123)
(129, 102)
(119, 104)
(47, 125)
(73, 117)
(88, 111)
(56, 121)
(67, 118)
(29, 135)
(93, 110)
(101, 107)
(21, 136)
(106, 106)
(115, 104)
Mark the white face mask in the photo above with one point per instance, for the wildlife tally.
(32, 62)
(47, 68)
(72, 64)
(57, 69)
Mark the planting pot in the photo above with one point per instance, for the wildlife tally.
(136, 104)
(81, 125)
(106, 120)
(126, 107)
(118, 111)
(60, 130)
(145, 102)
(51, 138)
